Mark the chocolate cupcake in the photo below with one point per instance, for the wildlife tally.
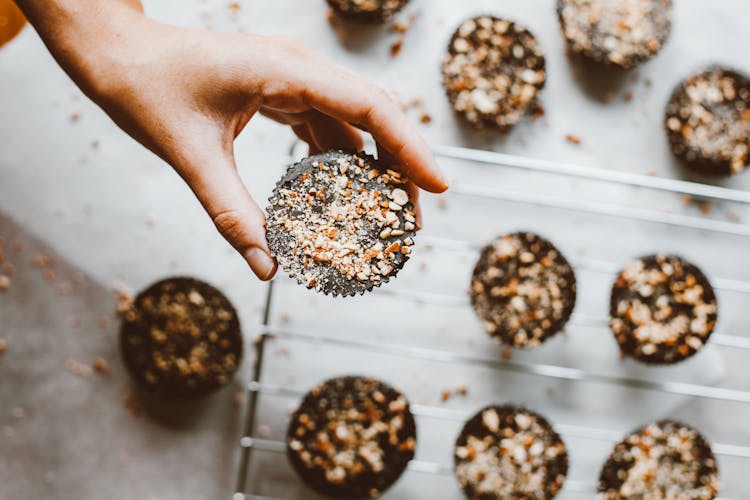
(708, 122)
(509, 452)
(493, 72)
(622, 33)
(367, 11)
(661, 460)
(351, 437)
(181, 337)
(523, 289)
(340, 223)
(662, 310)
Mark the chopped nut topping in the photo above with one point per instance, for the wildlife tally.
(351, 436)
(663, 309)
(493, 71)
(507, 452)
(620, 32)
(332, 216)
(180, 337)
(373, 11)
(523, 290)
(662, 460)
(708, 121)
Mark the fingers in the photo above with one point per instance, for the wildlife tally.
(345, 96)
(330, 133)
(236, 215)
(303, 133)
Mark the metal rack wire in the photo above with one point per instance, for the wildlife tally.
(250, 441)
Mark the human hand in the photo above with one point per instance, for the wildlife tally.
(186, 95)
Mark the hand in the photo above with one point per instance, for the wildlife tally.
(186, 95)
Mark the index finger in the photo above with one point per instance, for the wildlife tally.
(344, 95)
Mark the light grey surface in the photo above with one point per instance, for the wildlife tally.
(115, 212)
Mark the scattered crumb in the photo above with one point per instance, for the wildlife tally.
(264, 431)
(150, 220)
(3, 346)
(77, 368)
(445, 395)
(42, 260)
(50, 276)
(238, 399)
(124, 298)
(75, 116)
(100, 366)
(629, 95)
(284, 318)
(425, 118)
(4, 283)
(399, 27)
(131, 402)
(703, 205)
(234, 7)
(537, 113)
(396, 47)
(507, 352)
(442, 202)
(573, 139)
(652, 174)
(282, 351)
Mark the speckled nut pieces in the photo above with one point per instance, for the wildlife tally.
(493, 72)
(340, 223)
(660, 461)
(367, 11)
(181, 338)
(662, 310)
(351, 437)
(622, 33)
(508, 452)
(523, 290)
(708, 122)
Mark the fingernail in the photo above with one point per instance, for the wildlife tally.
(261, 263)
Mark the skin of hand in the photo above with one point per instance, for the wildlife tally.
(186, 94)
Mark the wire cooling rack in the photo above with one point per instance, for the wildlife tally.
(253, 483)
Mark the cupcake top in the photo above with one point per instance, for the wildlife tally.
(662, 310)
(509, 452)
(619, 32)
(523, 289)
(181, 337)
(662, 460)
(340, 223)
(351, 437)
(708, 121)
(367, 11)
(493, 71)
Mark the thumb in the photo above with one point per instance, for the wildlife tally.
(234, 212)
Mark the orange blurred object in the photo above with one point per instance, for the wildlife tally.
(11, 21)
